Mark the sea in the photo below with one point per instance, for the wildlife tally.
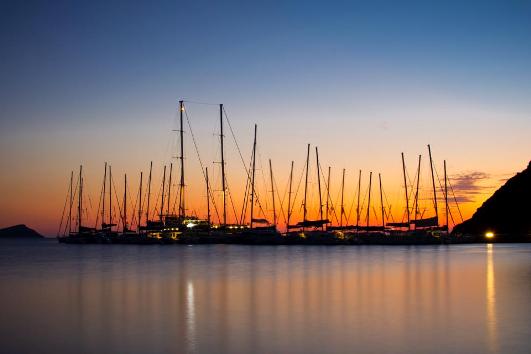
(60, 298)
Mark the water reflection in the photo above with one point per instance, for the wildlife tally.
(491, 300)
(190, 317)
(238, 299)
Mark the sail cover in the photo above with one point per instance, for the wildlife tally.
(312, 223)
(260, 221)
(397, 224)
(429, 222)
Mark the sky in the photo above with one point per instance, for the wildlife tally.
(88, 82)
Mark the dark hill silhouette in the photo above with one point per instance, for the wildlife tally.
(19, 231)
(506, 212)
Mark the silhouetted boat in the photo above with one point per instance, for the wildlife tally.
(83, 234)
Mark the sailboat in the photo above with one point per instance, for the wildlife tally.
(179, 227)
(316, 231)
(83, 234)
(419, 229)
(260, 230)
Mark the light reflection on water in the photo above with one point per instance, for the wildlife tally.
(491, 299)
(244, 299)
(190, 318)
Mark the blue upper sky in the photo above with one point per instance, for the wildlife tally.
(66, 51)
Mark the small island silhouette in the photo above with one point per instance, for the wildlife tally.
(19, 231)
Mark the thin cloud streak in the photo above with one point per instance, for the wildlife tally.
(468, 185)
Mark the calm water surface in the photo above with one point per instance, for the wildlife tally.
(242, 299)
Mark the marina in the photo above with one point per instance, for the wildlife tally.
(166, 219)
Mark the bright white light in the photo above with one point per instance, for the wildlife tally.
(190, 225)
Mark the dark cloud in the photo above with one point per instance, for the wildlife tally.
(467, 185)
(463, 199)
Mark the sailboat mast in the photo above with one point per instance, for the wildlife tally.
(124, 226)
(181, 186)
(71, 202)
(80, 200)
(417, 192)
(208, 196)
(405, 187)
(169, 191)
(140, 202)
(252, 177)
(162, 196)
(381, 201)
(342, 197)
(434, 190)
(305, 210)
(327, 192)
(369, 201)
(223, 165)
(103, 196)
(446, 195)
(149, 191)
(110, 198)
(319, 184)
(358, 207)
(273, 194)
(289, 196)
